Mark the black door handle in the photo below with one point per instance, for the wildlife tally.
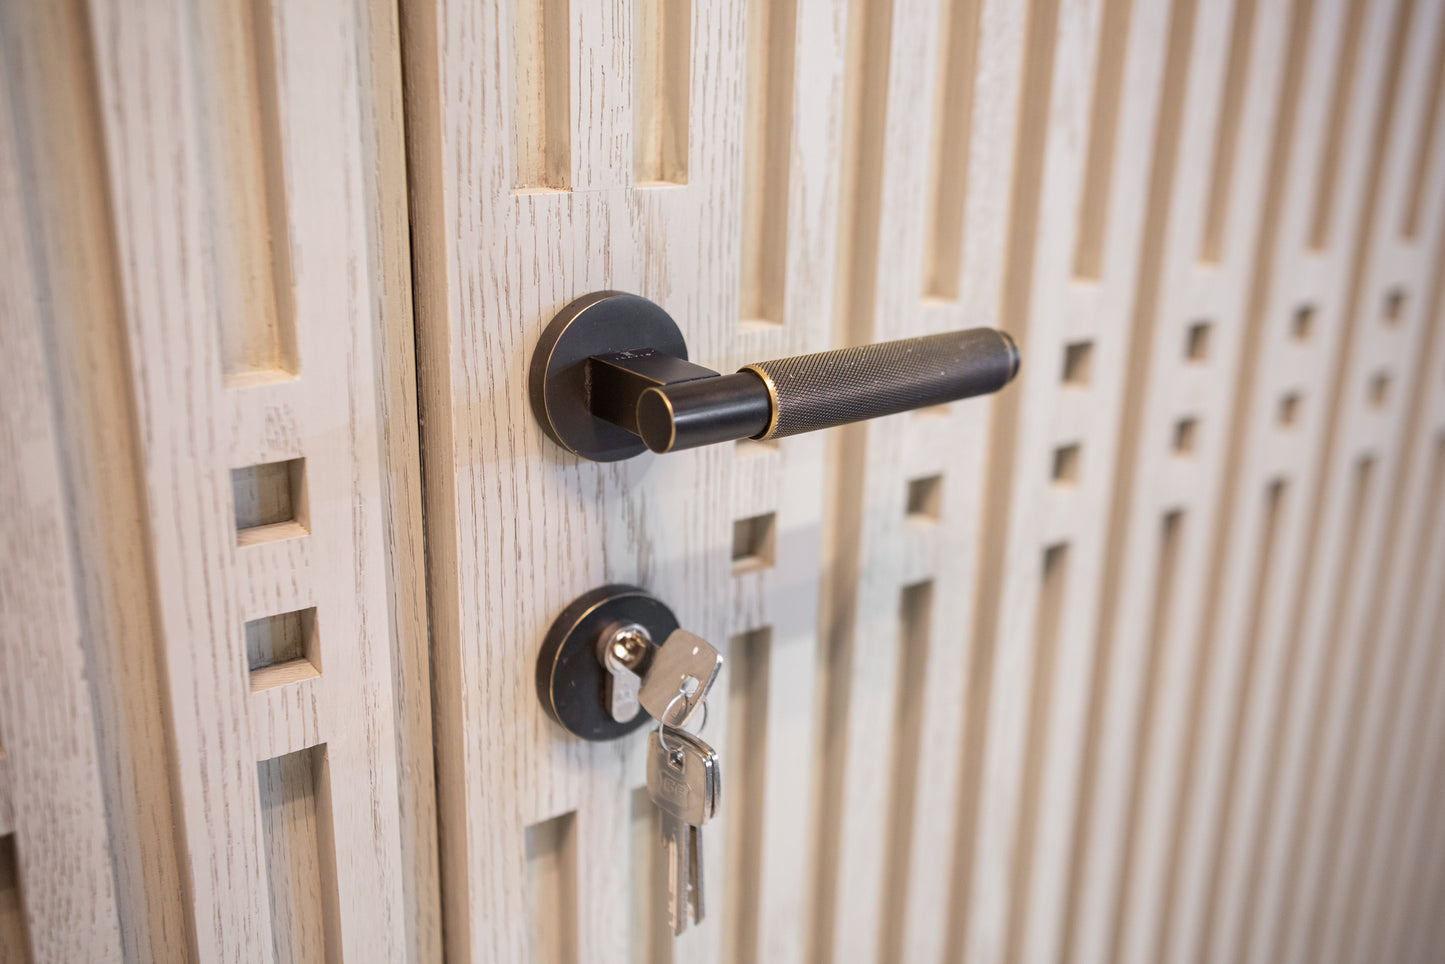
(610, 377)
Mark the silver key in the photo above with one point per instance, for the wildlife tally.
(685, 781)
(682, 671)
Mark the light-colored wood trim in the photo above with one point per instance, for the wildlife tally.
(312, 100)
(53, 798)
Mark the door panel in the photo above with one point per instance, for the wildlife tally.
(1139, 660)
(58, 886)
(215, 225)
(642, 185)
(1089, 659)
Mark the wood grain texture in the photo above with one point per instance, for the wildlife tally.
(14, 941)
(1138, 661)
(382, 130)
(57, 895)
(49, 53)
(516, 529)
(1151, 562)
(877, 889)
(1340, 614)
(333, 184)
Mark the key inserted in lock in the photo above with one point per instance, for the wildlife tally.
(602, 665)
(583, 666)
(598, 669)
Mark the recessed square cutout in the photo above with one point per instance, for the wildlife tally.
(294, 791)
(1185, 432)
(550, 849)
(754, 542)
(1289, 409)
(1066, 464)
(1303, 325)
(1078, 362)
(270, 501)
(1196, 342)
(13, 941)
(925, 499)
(1395, 306)
(1380, 389)
(282, 649)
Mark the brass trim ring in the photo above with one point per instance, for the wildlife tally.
(772, 397)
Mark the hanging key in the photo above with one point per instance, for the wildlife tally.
(684, 779)
(683, 669)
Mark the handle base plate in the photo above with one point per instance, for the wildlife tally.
(600, 323)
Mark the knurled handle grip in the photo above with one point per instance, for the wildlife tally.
(831, 388)
(610, 378)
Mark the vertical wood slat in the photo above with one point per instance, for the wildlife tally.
(52, 79)
(493, 266)
(56, 848)
(1391, 907)
(389, 259)
(789, 605)
(1122, 779)
(1415, 564)
(1203, 89)
(888, 887)
(1030, 506)
(1378, 345)
(196, 427)
(889, 63)
(1323, 647)
(1186, 780)
(1223, 889)
(1421, 934)
(1144, 652)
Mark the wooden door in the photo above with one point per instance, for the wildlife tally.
(528, 193)
(1129, 663)
(215, 712)
(1141, 659)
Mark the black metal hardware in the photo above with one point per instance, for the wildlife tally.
(610, 378)
(571, 678)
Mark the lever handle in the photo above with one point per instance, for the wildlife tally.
(805, 393)
(639, 389)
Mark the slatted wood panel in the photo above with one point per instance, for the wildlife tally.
(1122, 665)
(272, 305)
(1143, 659)
(57, 895)
(528, 192)
(221, 744)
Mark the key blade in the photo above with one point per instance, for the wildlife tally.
(694, 866)
(680, 861)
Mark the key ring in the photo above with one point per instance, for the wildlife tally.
(662, 724)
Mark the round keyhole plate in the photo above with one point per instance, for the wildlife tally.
(571, 681)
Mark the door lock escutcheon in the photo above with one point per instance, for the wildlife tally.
(615, 658)
(610, 378)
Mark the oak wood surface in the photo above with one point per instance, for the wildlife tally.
(1139, 660)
